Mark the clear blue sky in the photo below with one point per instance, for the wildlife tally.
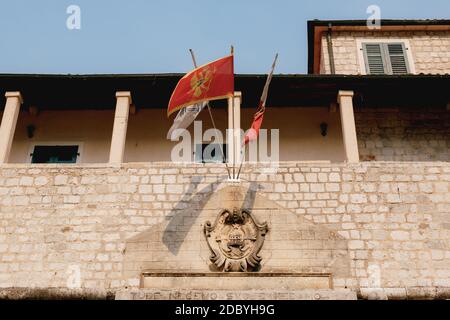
(153, 36)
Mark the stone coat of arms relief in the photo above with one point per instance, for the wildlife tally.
(235, 239)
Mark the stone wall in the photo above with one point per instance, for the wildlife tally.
(60, 221)
(290, 242)
(430, 50)
(403, 134)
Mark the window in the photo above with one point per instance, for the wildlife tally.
(205, 153)
(386, 58)
(55, 154)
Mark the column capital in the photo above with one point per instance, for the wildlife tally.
(238, 95)
(124, 94)
(14, 94)
(345, 93)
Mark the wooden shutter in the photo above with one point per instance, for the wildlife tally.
(397, 57)
(374, 58)
(385, 58)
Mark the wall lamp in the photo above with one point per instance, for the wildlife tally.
(30, 131)
(324, 129)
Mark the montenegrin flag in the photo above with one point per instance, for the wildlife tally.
(253, 132)
(211, 81)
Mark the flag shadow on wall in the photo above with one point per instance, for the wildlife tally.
(179, 215)
(197, 199)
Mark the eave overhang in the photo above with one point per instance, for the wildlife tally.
(64, 92)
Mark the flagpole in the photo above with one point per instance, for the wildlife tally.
(242, 161)
(263, 99)
(233, 130)
(233, 136)
(212, 119)
(193, 58)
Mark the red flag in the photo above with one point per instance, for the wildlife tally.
(211, 81)
(253, 132)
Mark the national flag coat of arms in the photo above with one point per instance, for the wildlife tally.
(211, 81)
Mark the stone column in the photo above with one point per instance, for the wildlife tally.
(119, 133)
(9, 121)
(345, 100)
(230, 136)
(234, 126)
(237, 126)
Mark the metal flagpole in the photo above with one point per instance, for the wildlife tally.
(212, 119)
(242, 161)
(233, 136)
(263, 100)
(233, 129)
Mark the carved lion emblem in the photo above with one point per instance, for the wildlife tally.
(235, 240)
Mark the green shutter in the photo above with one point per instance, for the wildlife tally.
(385, 58)
(397, 57)
(374, 58)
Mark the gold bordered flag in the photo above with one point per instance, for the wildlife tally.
(211, 81)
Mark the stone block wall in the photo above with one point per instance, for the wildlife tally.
(403, 134)
(291, 243)
(430, 50)
(68, 222)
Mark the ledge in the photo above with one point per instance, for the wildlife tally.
(232, 274)
(55, 294)
(168, 164)
(176, 294)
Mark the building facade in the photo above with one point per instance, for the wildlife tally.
(358, 204)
